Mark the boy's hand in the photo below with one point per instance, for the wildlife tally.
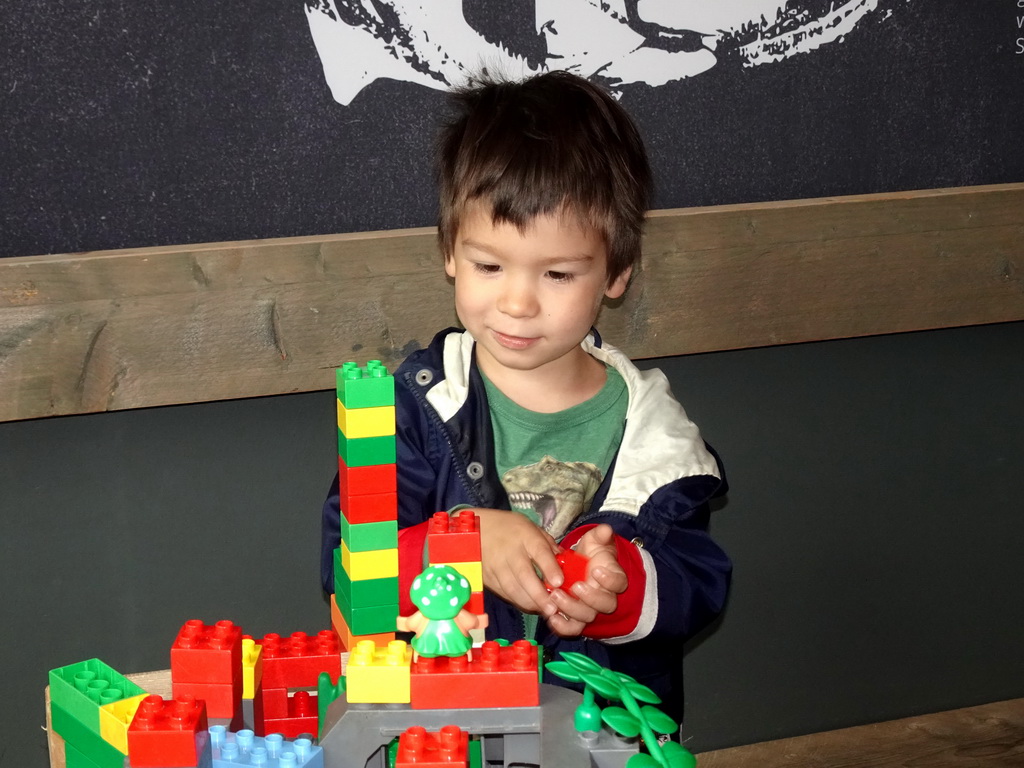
(605, 581)
(512, 550)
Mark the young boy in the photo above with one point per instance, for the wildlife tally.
(555, 439)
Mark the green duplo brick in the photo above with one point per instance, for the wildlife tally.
(75, 733)
(367, 537)
(366, 451)
(369, 620)
(363, 593)
(79, 689)
(75, 759)
(365, 387)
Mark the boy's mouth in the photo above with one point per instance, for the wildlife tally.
(513, 342)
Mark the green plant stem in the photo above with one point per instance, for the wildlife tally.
(646, 734)
(588, 697)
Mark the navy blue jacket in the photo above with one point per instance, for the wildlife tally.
(655, 495)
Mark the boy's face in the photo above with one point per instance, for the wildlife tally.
(529, 298)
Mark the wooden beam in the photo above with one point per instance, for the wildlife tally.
(111, 330)
(986, 736)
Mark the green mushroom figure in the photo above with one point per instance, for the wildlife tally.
(441, 624)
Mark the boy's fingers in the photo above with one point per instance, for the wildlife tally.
(521, 587)
(596, 539)
(510, 590)
(544, 558)
(570, 619)
(612, 578)
(599, 600)
(564, 625)
(538, 596)
(572, 608)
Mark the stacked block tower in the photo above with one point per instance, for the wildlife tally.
(365, 602)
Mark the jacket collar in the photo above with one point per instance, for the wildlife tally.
(660, 444)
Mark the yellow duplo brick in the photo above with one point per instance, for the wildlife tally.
(379, 675)
(366, 422)
(115, 718)
(472, 571)
(375, 564)
(252, 667)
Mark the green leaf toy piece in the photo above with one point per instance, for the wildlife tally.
(659, 721)
(620, 721)
(642, 760)
(607, 686)
(587, 716)
(631, 719)
(637, 690)
(563, 670)
(581, 662)
(678, 756)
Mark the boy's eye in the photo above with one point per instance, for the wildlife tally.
(486, 269)
(560, 277)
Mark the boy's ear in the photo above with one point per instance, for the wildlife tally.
(449, 265)
(617, 287)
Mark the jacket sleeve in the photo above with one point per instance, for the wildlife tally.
(330, 536)
(693, 576)
(687, 573)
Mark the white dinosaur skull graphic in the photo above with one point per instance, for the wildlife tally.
(430, 42)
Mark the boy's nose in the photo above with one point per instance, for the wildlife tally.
(517, 299)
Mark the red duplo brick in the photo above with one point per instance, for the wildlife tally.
(298, 660)
(476, 603)
(273, 702)
(453, 539)
(164, 734)
(222, 699)
(370, 508)
(496, 677)
(420, 748)
(261, 700)
(275, 711)
(300, 717)
(365, 481)
(207, 654)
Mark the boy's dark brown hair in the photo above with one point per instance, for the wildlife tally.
(554, 143)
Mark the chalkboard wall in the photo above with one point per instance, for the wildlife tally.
(158, 123)
(876, 493)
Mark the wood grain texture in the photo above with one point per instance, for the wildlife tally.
(987, 736)
(112, 330)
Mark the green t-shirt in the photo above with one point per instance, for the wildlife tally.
(551, 464)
